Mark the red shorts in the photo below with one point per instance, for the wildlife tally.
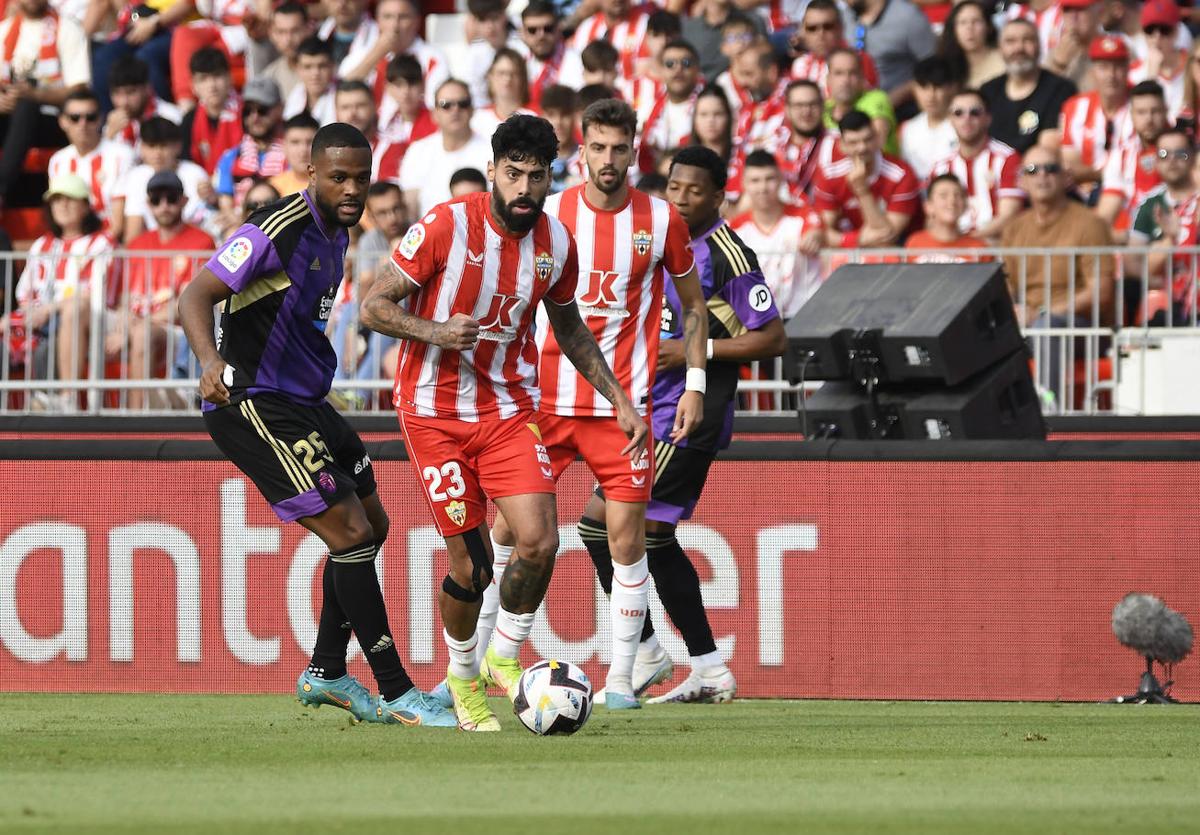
(599, 440)
(462, 464)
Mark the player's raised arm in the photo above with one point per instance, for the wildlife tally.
(196, 304)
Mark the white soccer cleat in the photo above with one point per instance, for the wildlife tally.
(651, 668)
(715, 686)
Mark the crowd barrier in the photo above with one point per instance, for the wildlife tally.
(901, 570)
(1146, 336)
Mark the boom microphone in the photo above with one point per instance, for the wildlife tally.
(1145, 624)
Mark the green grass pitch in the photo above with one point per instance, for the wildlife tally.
(261, 764)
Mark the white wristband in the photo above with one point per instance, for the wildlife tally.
(696, 380)
(710, 349)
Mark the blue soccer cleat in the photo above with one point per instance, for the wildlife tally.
(621, 701)
(415, 707)
(346, 692)
(441, 694)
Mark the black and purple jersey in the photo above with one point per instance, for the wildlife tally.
(284, 268)
(738, 301)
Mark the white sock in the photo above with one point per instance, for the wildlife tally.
(707, 662)
(649, 646)
(511, 631)
(630, 597)
(491, 598)
(462, 656)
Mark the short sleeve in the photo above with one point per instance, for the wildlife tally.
(1113, 181)
(421, 254)
(247, 255)
(677, 254)
(1008, 178)
(906, 196)
(824, 194)
(563, 291)
(750, 298)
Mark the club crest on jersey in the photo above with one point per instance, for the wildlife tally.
(543, 263)
(642, 241)
(457, 511)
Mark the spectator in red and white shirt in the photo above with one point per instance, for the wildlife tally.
(214, 125)
(133, 101)
(670, 120)
(1080, 26)
(399, 23)
(145, 317)
(598, 63)
(624, 26)
(403, 117)
(820, 32)
(786, 238)
(546, 53)
(100, 162)
(69, 276)
(986, 167)
(802, 144)
(1130, 174)
(1165, 61)
(945, 205)
(867, 198)
(508, 92)
(221, 24)
(760, 112)
(348, 30)
(1096, 123)
(314, 93)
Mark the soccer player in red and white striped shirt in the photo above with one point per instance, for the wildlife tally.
(986, 167)
(461, 290)
(627, 240)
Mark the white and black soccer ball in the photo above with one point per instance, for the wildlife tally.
(553, 697)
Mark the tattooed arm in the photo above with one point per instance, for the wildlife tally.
(383, 311)
(580, 348)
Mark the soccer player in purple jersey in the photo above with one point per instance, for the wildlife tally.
(743, 325)
(264, 384)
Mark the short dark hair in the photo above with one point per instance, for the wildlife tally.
(81, 94)
(611, 113)
(353, 86)
(844, 50)
(291, 7)
(540, 8)
(977, 93)
(560, 98)
(663, 22)
(598, 56)
(468, 175)
(854, 120)
(701, 157)
(944, 178)
(1147, 88)
(438, 92)
(128, 71)
(797, 83)
(303, 120)
(589, 94)
(406, 68)
(761, 159)
(159, 131)
(483, 9)
(312, 45)
(1174, 130)
(208, 61)
(525, 138)
(681, 43)
(822, 6)
(934, 71)
(339, 135)
(737, 20)
(383, 187)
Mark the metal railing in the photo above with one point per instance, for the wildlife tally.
(78, 339)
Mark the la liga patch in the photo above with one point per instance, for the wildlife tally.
(412, 241)
(236, 254)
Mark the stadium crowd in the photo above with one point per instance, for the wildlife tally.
(159, 127)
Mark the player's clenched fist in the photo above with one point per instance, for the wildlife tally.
(212, 385)
(459, 333)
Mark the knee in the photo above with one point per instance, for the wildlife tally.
(539, 549)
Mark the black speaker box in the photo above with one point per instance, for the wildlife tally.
(999, 403)
(919, 322)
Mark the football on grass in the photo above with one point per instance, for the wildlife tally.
(553, 697)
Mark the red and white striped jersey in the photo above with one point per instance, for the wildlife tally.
(893, 186)
(628, 36)
(988, 177)
(792, 276)
(619, 295)
(1085, 128)
(102, 169)
(1049, 22)
(799, 162)
(816, 69)
(463, 263)
(641, 94)
(60, 268)
(1130, 174)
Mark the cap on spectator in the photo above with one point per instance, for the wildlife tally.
(1076, 4)
(68, 185)
(1108, 48)
(262, 91)
(165, 181)
(1160, 13)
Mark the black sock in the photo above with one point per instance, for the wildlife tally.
(333, 632)
(595, 538)
(678, 587)
(358, 592)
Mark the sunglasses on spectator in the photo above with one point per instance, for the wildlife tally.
(1180, 154)
(90, 116)
(451, 104)
(672, 63)
(159, 197)
(1043, 168)
(257, 110)
(1159, 29)
(820, 27)
(548, 29)
(973, 112)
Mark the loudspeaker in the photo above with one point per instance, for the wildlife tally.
(903, 322)
(999, 403)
